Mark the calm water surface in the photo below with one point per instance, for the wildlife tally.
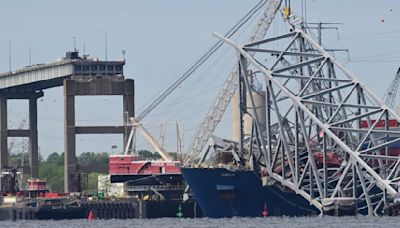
(324, 222)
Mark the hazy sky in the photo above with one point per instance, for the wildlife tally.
(161, 39)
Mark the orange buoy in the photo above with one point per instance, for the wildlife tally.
(265, 212)
(91, 216)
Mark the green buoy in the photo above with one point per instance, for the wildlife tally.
(179, 214)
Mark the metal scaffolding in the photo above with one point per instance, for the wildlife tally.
(327, 135)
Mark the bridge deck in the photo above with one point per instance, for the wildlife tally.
(43, 76)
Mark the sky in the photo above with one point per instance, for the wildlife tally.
(162, 39)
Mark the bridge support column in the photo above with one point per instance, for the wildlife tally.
(86, 85)
(128, 108)
(33, 138)
(31, 133)
(70, 162)
(3, 133)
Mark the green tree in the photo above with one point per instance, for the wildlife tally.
(53, 169)
(145, 154)
(56, 158)
(90, 158)
(92, 182)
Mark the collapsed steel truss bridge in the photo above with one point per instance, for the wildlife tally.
(327, 136)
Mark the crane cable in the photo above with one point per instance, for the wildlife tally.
(201, 60)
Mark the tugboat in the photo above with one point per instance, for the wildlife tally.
(36, 187)
(36, 201)
(52, 205)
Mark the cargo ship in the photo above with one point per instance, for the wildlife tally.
(223, 189)
(226, 193)
(233, 190)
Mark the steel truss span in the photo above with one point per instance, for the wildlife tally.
(327, 136)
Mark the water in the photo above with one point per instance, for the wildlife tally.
(287, 222)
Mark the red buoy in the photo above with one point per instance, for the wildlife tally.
(91, 216)
(265, 212)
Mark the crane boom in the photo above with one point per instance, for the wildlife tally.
(147, 135)
(391, 93)
(230, 86)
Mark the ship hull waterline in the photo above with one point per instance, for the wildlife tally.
(223, 193)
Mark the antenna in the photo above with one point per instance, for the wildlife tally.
(305, 11)
(84, 48)
(74, 38)
(105, 42)
(29, 55)
(123, 54)
(9, 55)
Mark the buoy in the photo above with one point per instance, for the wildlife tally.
(179, 214)
(91, 216)
(265, 212)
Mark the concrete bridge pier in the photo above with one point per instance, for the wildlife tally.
(31, 133)
(92, 86)
(3, 133)
(33, 138)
